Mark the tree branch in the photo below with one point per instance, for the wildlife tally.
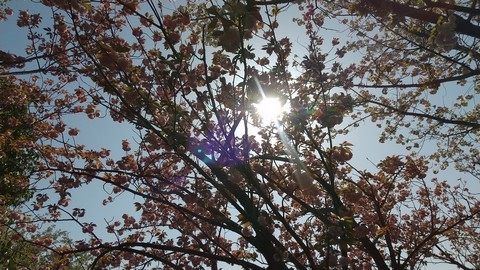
(436, 82)
(462, 26)
(436, 118)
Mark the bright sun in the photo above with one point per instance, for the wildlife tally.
(270, 109)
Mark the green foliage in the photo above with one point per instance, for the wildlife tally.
(19, 250)
(16, 161)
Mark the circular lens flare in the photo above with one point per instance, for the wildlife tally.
(269, 109)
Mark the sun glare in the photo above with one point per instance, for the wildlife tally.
(270, 109)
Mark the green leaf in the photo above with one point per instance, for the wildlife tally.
(244, 221)
(275, 11)
(11, 265)
(138, 206)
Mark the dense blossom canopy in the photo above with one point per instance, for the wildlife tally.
(204, 182)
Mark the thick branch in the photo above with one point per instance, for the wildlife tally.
(182, 250)
(272, 2)
(471, 11)
(462, 26)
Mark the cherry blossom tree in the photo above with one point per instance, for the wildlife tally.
(417, 54)
(215, 185)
